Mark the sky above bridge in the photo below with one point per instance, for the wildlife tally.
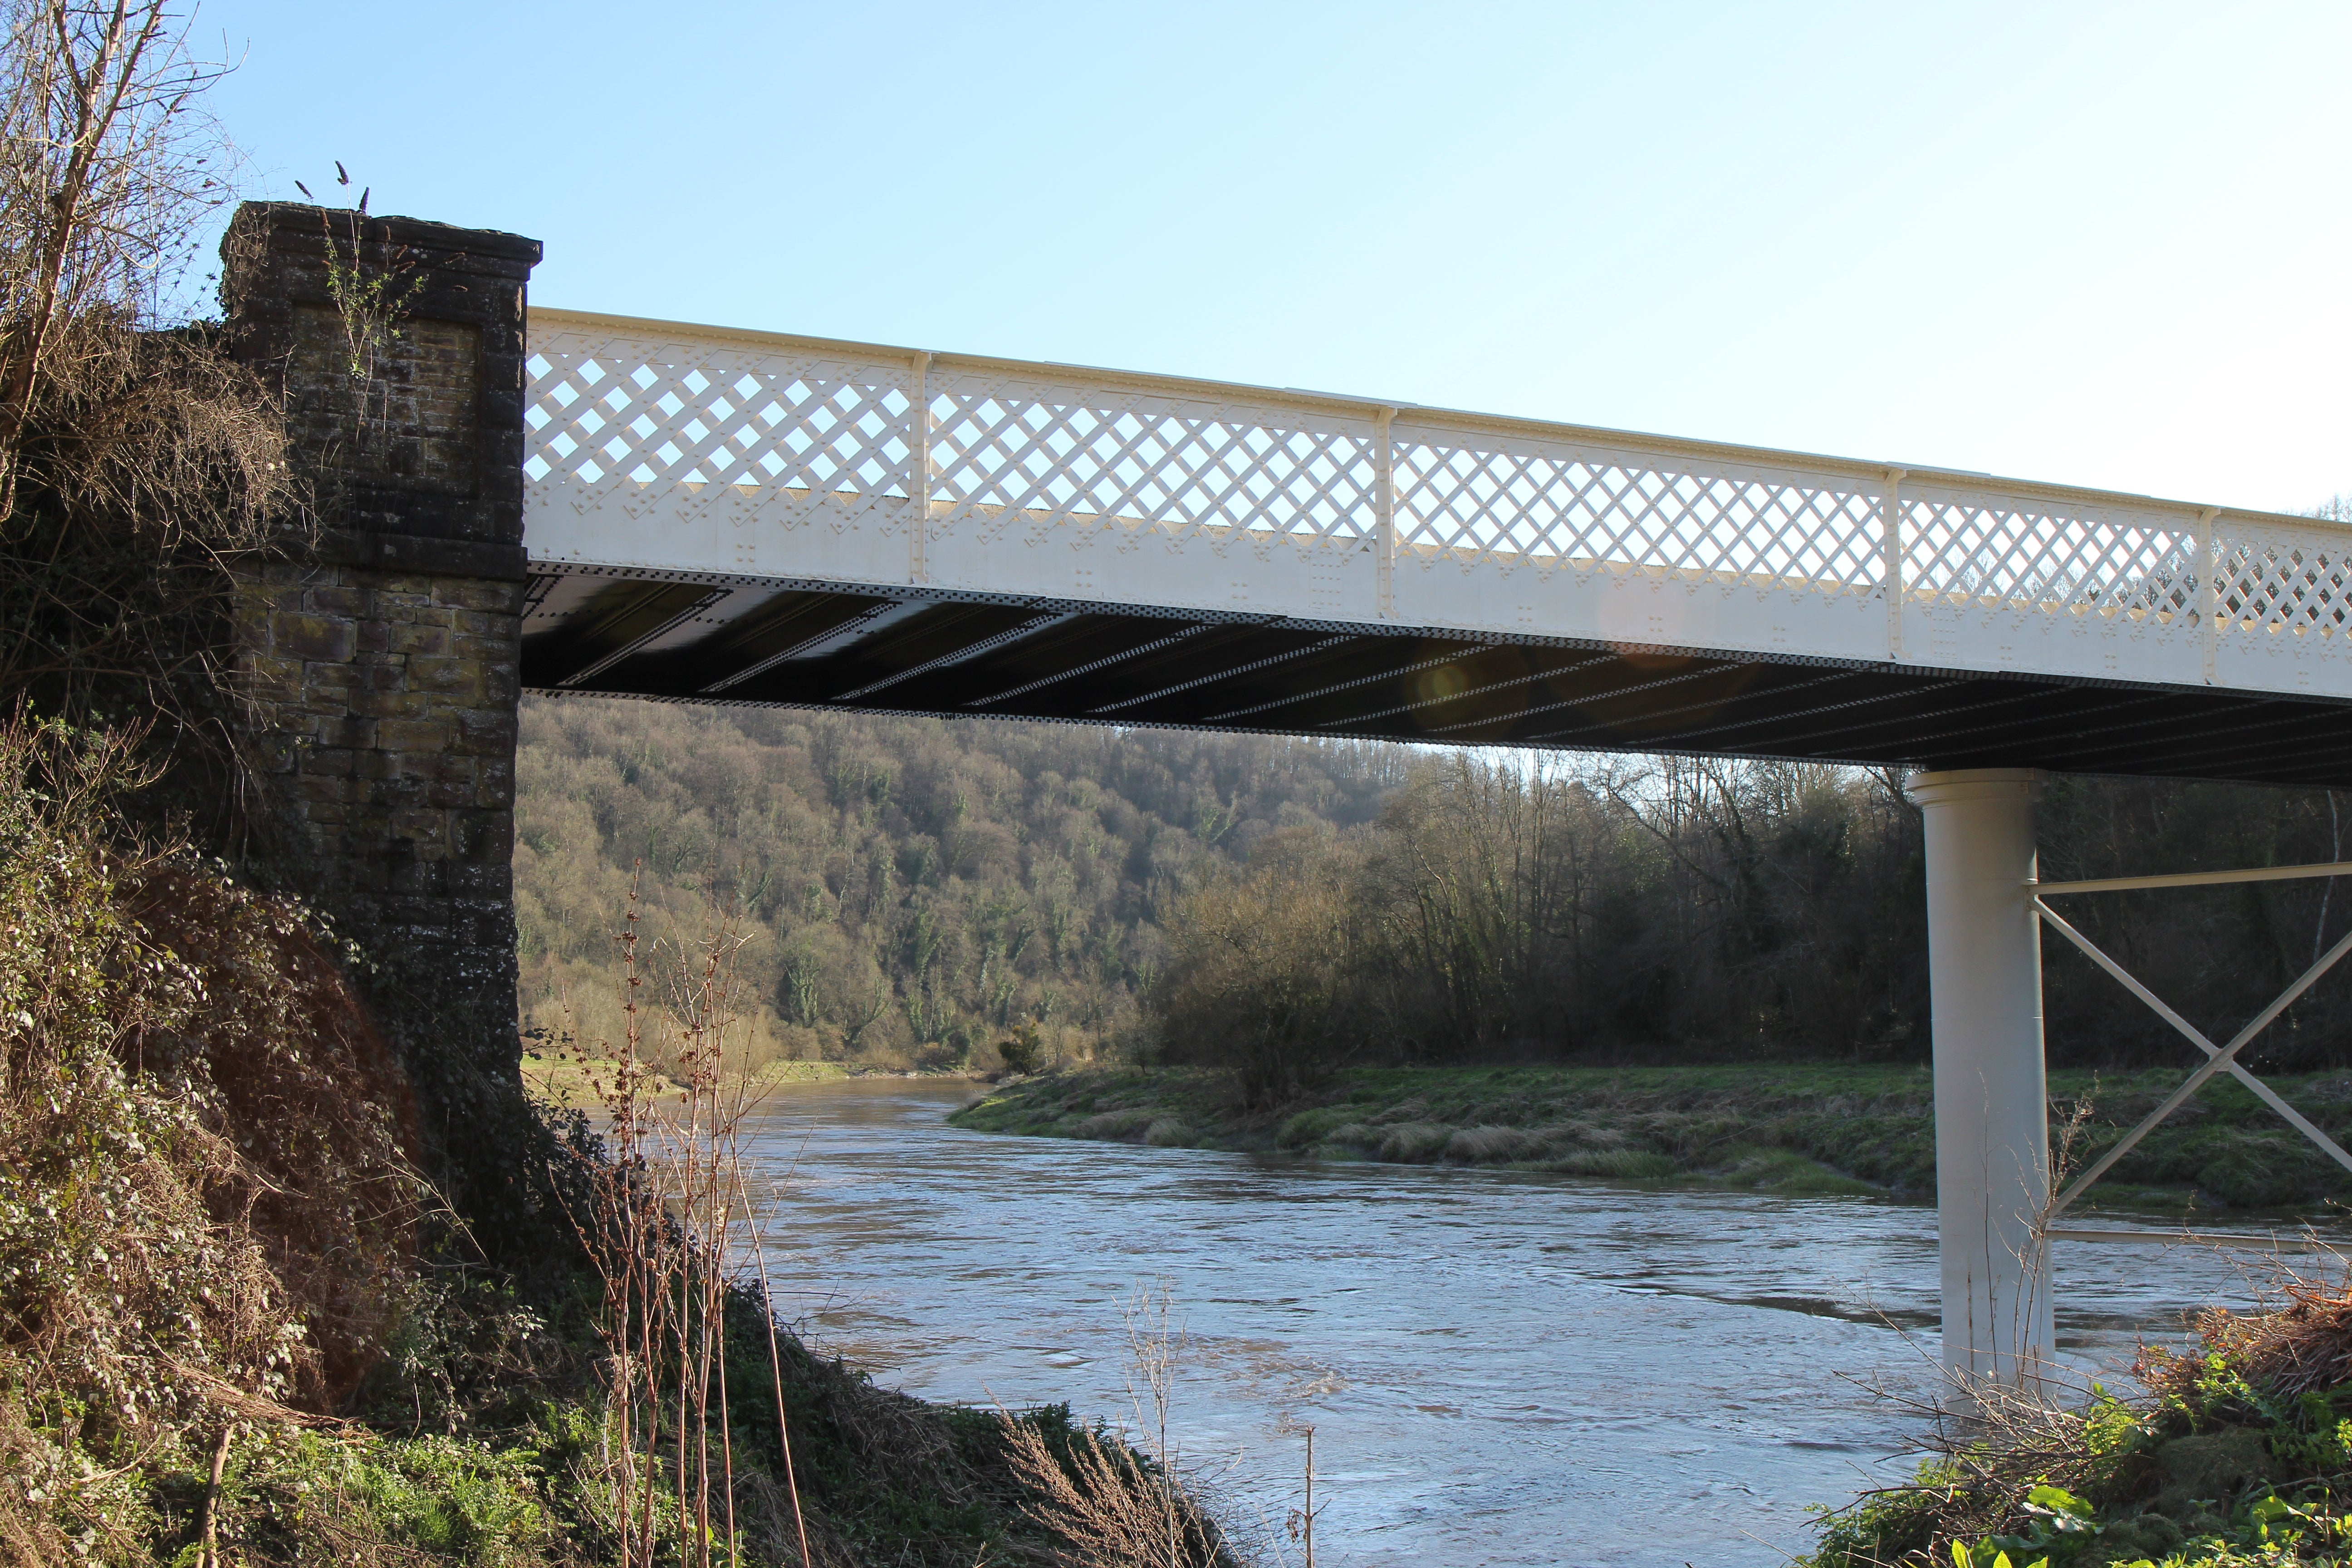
(2098, 244)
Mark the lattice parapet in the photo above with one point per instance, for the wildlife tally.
(2276, 577)
(1011, 449)
(685, 448)
(1977, 547)
(657, 425)
(1472, 496)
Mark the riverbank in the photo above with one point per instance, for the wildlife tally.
(2233, 1456)
(576, 1083)
(1794, 1127)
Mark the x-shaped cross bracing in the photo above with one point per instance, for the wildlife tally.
(2218, 1058)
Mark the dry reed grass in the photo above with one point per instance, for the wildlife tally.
(1415, 1141)
(1109, 1125)
(668, 1224)
(1477, 1144)
(1110, 1506)
(1124, 1499)
(2303, 1347)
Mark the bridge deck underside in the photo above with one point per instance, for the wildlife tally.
(853, 649)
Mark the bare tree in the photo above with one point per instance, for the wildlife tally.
(136, 459)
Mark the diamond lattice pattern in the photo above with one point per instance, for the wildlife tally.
(651, 420)
(663, 423)
(2028, 556)
(2281, 580)
(1004, 450)
(1487, 500)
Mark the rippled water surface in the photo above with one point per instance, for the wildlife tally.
(1500, 1368)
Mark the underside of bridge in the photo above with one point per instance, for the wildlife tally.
(852, 649)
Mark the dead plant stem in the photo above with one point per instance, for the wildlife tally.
(208, 1548)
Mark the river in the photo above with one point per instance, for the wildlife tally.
(1500, 1368)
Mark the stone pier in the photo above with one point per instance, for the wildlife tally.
(379, 662)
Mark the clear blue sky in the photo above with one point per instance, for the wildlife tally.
(2103, 244)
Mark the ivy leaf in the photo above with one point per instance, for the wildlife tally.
(2057, 1500)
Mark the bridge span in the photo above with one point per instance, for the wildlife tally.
(512, 498)
(743, 517)
(738, 517)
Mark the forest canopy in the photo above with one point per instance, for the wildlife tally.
(909, 891)
(918, 891)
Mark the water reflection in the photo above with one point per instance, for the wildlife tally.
(1500, 1368)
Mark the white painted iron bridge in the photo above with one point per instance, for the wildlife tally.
(744, 517)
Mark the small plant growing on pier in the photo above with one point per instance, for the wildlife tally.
(370, 298)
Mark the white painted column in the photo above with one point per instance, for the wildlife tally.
(1992, 1124)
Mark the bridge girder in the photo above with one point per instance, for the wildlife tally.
(747, 518)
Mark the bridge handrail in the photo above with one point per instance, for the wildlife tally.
(686, 417)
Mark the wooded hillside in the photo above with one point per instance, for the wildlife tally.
(909, 892)
(917, 890)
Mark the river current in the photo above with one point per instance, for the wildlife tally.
(1500, 1368)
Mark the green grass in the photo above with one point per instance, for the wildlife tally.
(799, 1072)
(1824, 1128)
(571, 1083)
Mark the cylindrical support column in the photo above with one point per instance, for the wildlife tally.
(1992, 1124)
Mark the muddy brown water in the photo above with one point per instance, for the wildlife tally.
(1500, 1368)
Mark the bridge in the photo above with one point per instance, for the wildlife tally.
(737, 517)
(518, 499)
(741, 517)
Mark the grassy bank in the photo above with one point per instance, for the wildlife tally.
(2237, 1456)
(240, 1321)
(571, 1083)
(1785, 1127)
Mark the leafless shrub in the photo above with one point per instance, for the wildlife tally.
(136, 459)
(106, 169)
(668, 1217)
(1123, 1502)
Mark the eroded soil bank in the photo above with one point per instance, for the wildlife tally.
(1779, 1127)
